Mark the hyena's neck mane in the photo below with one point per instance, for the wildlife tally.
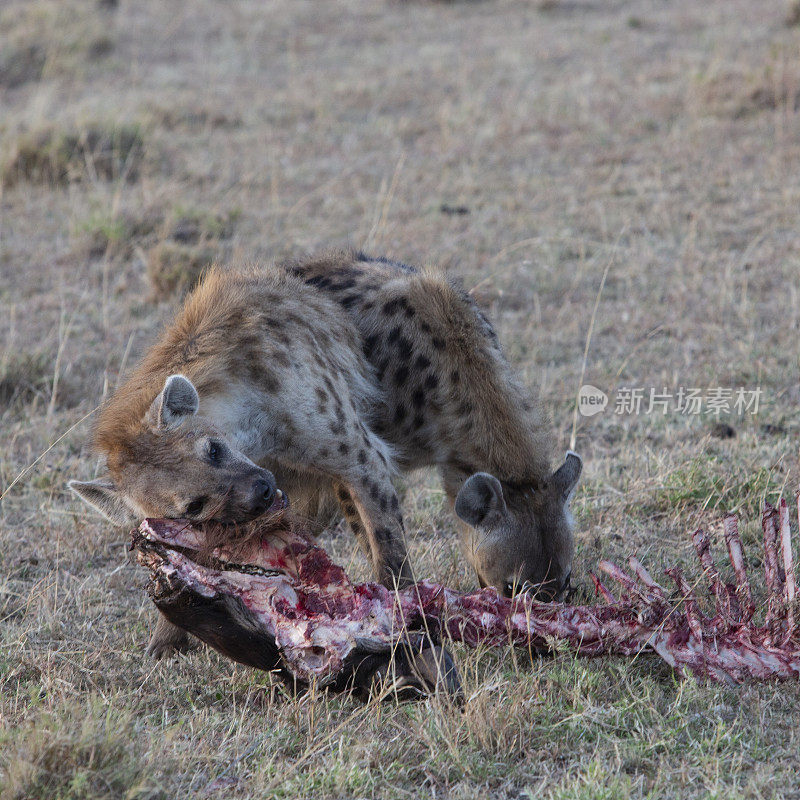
(204, 342)
(508, 433)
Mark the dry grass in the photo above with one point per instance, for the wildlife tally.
(662, 139)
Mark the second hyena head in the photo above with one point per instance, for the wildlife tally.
(520, 538)
(175, 463)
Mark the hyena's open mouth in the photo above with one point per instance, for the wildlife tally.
(280, 503)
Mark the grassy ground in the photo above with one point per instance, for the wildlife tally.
(529, 147)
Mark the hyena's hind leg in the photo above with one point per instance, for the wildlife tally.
(168, 639)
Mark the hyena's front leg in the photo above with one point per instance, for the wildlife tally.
(369, 504)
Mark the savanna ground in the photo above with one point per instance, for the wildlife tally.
(529, 148)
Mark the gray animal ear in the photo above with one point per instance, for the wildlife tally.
(176, 401)
(480, 499)
(104, 497)
(565, 478)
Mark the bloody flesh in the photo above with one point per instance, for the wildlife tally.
(281, 603)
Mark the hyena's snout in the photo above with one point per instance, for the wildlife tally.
(253, 494)
(262, 494)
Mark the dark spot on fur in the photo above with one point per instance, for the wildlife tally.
(438, 343)
(268, 381)
(431, 382)
(404, 356)
(401, 376)
(322, 395)
(383, 535)
(399, 414)
(384, 504)
(455, 377)
(343, 494)
(369, 344)
(319, 281)
(374, 491)
(418, 398)
(390, 306)
(337, 428)
(349, 300)
(395, 503)
(343, 448)
(324, 452)
(465, 408)
(419, 421)
(349, 511)
(362, 457)
(404, 345)
(422, 363)
(382, 369)
(424, 327)
(394, 334)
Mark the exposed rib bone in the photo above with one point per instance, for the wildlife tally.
(786, 552)
(602, 590)
(734, 543)
(775, 604)
(694, 618)
(721, 594)
(789, 585)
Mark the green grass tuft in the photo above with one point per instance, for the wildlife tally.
(57, 157)
(717, 484)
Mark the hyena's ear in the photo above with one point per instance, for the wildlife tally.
(177, 400)
(565, 478)
(480, 500)
(104, 497)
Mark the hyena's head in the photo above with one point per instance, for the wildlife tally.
(174, 463)
(520, 538)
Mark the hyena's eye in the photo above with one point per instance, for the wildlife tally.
(215, 451)
(195, 507)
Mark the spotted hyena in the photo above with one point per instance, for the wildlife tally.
(337, 372)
